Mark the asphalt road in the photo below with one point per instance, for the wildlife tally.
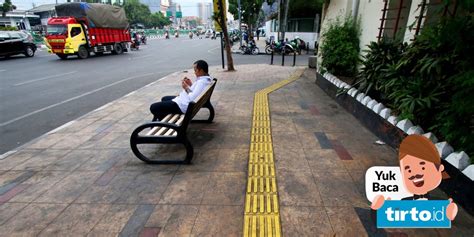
(41, 93)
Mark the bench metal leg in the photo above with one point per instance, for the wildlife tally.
(135, 140)
(189, 151)
(208, 106)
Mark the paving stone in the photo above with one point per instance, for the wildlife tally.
(338, 189)
(186, 188)
(225, 189)
(345, 222)
(298, 189)
(32, 219)
(323, 160)
(404, 125)
(444, 149)
(305, 221)
(17, 158)
(173, 220)
(69, 188)
(431, 136)
(114, 220)
(460, 160)
(219, 221)
(8, 210)
(76, 220)
(415, 130)
(146, 188)
(42, 160)
(39, 183)
(385, 113)
(292, 160)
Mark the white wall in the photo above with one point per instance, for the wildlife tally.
(310, 37)
(369, 15)
(336, 8)
(414, 12)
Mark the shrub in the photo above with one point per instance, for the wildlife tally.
(375, 72)
(430, 82)
(340, 47)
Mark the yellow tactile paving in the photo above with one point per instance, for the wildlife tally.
(262, 213)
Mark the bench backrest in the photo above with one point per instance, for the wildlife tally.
(199, 102)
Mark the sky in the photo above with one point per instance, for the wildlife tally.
(189, 7)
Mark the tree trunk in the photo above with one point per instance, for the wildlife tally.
(223, 24)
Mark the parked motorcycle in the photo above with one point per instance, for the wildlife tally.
(279, 47)
(251, 48)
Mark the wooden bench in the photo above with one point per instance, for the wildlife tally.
(172, 129)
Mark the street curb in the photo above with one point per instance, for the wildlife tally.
(14, 150)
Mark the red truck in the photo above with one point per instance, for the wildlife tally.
(82, 28)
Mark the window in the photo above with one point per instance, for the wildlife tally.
(75, 31)
(57, 30)
(4, 36)
(15, 36)
(394, 18)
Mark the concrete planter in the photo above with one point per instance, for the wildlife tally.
(392, 131)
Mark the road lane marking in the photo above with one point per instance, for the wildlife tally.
(144, 56)
(2, 70)
(71, 99)
(261, 211)
(209, 51)
(44, 78)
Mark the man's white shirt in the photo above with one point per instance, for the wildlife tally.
(184, 98)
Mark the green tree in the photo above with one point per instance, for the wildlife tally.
(250, 10)
(137, 12)
(157, 20)
(6, 7)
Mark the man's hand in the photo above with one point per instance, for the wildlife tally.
(378, 202)
(188, 81)
(452, 210)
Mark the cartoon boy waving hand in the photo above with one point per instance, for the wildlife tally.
(421, 170)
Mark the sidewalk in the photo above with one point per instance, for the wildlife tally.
(83, 180)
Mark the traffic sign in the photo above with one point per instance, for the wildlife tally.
(217, 10)
(169, 13)
(179, 15)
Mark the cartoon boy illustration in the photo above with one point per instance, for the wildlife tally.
(421, 170)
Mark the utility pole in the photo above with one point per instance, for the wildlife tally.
(285, 19)
(240, 23)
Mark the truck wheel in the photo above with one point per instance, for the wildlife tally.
(62, 56)
(29, 52)
(118, 49)
(83, 53)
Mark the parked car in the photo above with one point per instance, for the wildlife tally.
(16, 42)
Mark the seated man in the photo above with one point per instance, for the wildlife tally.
(179, 104)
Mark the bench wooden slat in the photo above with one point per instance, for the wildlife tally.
(163, 130)
(154, 129)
